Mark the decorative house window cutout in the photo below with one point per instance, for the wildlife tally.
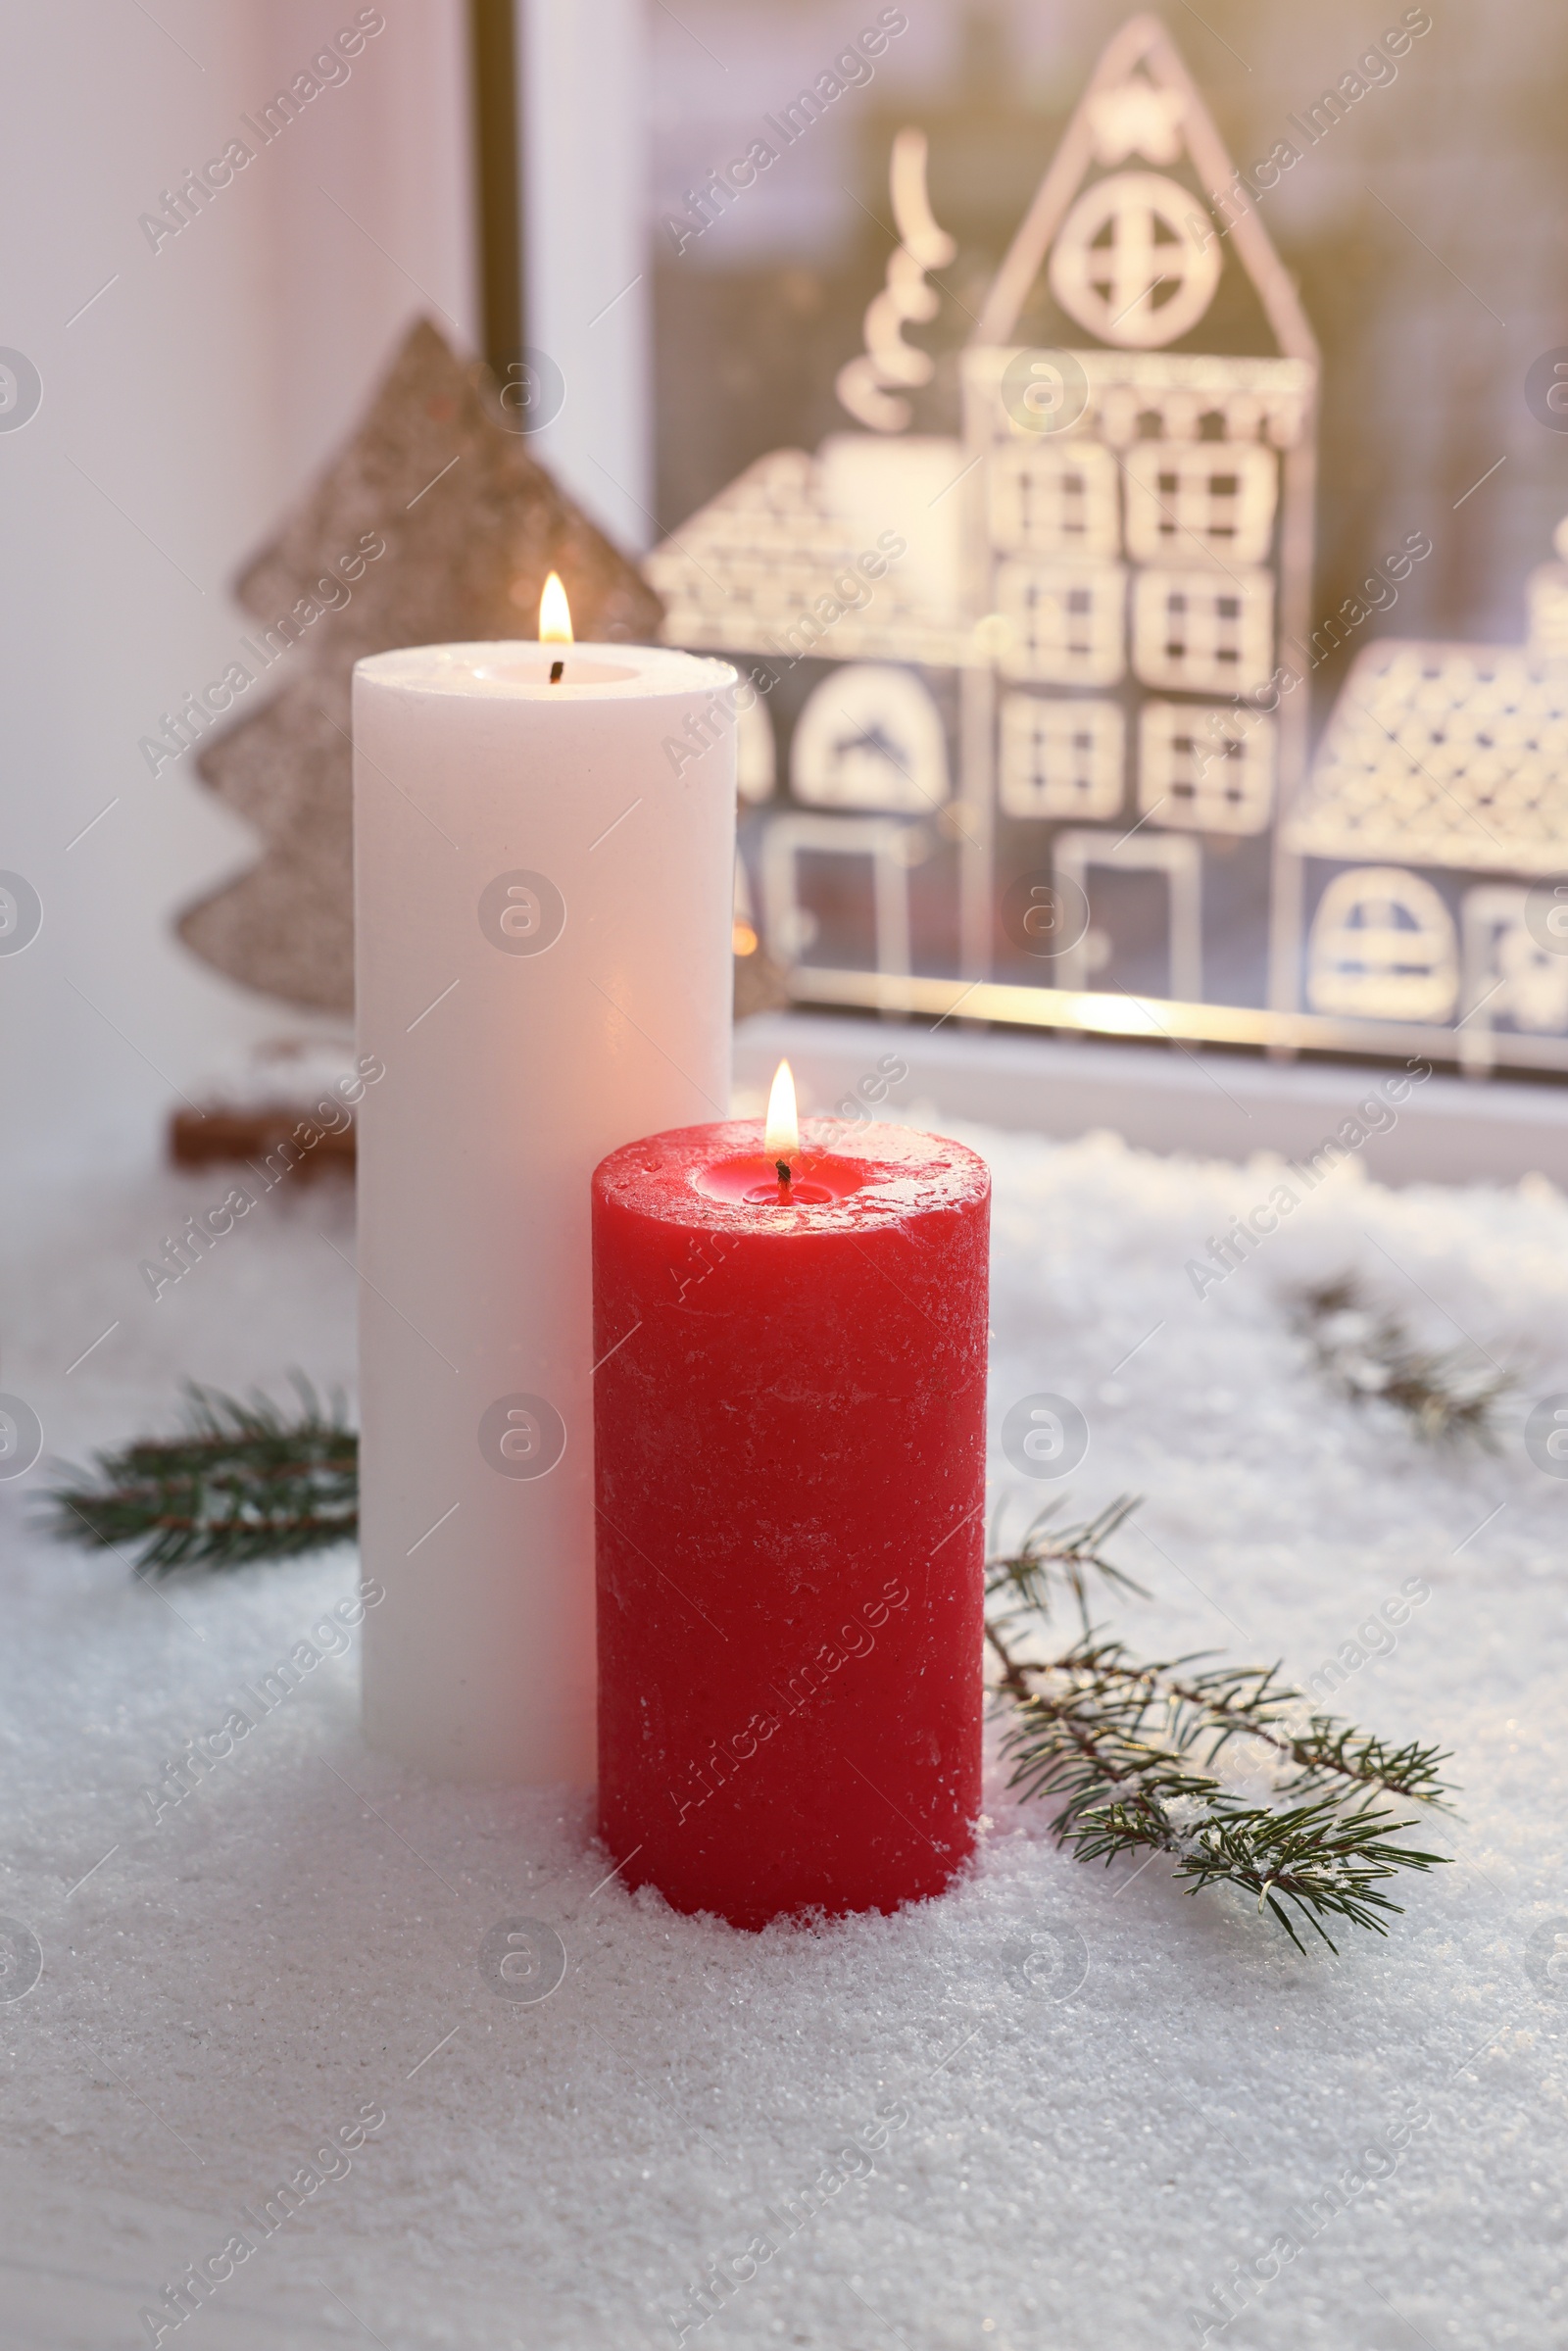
(1061, 758)
(1383, 946)
(1066, 622)
(1059, 500)
(870, 737)
(1208, 770)
(1129, 267)
(1210, 632)
(1077, 853)
(1187, 500)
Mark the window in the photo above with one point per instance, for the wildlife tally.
(1068, 623)
(1060, 759)
(1382, 947)
(1205, 631)
(1207, 769)
(870, 737)
(1208, 497)
(1056, 501)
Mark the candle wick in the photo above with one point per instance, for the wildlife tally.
(557, 670)
(783, 1168)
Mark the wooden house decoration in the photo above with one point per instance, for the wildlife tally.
(1046, 763)
(1060, 675)
(1434, 829)
(1139, 402)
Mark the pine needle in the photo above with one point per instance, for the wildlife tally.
(1049, 1555)
(1367, 1351)
(1133, 1757)
(243, 1481)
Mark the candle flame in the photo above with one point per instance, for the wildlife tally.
(554, 613)
(782, 1137)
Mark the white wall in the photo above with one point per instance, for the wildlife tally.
(182, 411)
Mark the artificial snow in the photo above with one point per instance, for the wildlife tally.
(1060, 2106)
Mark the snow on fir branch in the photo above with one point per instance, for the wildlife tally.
(1367, 1351)
(243, 1481)
(1226, 1769)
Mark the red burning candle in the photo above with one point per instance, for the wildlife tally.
(788, 1462)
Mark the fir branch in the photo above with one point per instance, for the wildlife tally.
(1322, 1860)
(1325, 1751)
(1368, 1351)
(243, 1481)
(1050, 1556)
(1129, 1752)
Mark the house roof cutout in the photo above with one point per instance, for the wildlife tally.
(1152, 282)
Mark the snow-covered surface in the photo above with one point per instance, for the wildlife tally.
(1110, 2094)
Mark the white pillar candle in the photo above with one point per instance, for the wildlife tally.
(542, 915)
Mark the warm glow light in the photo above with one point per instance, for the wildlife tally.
(744, 939)
(554, 613)
(1119, 1015)
(782, 1139)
